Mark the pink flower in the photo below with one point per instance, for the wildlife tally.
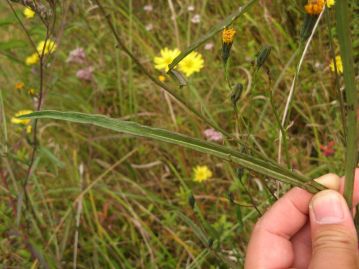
(213, 135)
(85, 73)
(328, 149)
(76, 56)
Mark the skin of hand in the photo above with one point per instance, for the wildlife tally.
(302, 230)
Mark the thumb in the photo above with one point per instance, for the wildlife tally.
(334, 239)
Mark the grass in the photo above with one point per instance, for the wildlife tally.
(101, 199)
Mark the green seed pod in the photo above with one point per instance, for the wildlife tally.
(226, 51)
(308, 25)
(240, 173)
(236, 94)
(191, 200)
(263, 55)
(210, 242)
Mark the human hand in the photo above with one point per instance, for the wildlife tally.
(305, 231)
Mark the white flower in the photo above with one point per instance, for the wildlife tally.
(149, 27)
(196, 18)
(190, 8)
(209, 46)
(148, 8)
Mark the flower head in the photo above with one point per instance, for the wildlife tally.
(330, 3)
(32, 59)
(228, 35)
(46, 47)
(209, 46)
(227, 42)
(196, 19)
(190, 8)
(201, 173)
(19, 85)
(148, 8)
(192, 63)
(166, 57)
(162, 78)
(28, 129)
(338, 64)
(85, 73)
(31, 91)
(213, 135)
(328, 150)
(15, 119)
(77, 55)
(314, 7)
(28, 13)
(149, 27)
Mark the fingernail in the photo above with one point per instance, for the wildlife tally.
(328, 208)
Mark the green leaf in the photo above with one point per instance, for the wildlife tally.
(13, 44)
(215, 29)
(258, 165)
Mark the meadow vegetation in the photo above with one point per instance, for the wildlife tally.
(81, 196)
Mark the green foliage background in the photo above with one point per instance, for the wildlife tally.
(101, 199)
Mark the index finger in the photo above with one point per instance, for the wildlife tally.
(270, 245)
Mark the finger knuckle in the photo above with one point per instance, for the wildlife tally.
(334, 239)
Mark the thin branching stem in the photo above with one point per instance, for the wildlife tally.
(176, 96)
(32, 43)
(288, 105)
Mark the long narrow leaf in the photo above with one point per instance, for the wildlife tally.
(246, 161)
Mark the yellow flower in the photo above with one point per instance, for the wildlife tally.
(19, 85)
(201, 173)
(191, 64)
(28, 129)
(28, 13)
(161, 78)
(166, 57)
(49, 47)
(330, 3)
(31, 91)
(314, 7)
(15, 120)
(338, 63)
(32, 59)
(228, 35)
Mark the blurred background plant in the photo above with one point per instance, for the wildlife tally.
(100, 199)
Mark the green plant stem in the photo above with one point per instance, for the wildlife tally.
(3, 120)
(343, 31)
(281, 128)
(337, 86)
